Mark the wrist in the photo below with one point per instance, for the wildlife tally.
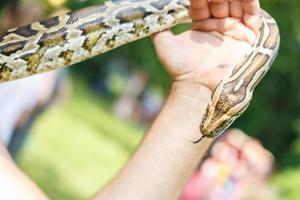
(181, 115)
(196, 91)
(189, 100)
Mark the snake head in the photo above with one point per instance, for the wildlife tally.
(227, 103)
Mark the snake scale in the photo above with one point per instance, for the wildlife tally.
(76, 36)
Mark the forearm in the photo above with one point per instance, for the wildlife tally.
(166, 157)
(13, 183)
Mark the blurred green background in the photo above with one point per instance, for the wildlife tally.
(78, 145)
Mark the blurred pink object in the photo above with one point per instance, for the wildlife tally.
(235, 163)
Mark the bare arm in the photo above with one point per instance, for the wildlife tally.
(167, 156)
(13, 182)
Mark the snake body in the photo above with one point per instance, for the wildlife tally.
(234, 93)
(73, 37)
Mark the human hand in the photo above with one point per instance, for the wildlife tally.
(223, 31)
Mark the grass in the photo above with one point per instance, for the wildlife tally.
(287, 184)
(287, 179)
(78, 146)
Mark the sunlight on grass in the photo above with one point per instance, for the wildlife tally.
(287, 179)
(287, 184)
(77, 147)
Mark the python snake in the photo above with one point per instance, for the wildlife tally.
(76, 36)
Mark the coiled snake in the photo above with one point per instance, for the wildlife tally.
(77, 36)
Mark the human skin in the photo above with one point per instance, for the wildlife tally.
(196, 60)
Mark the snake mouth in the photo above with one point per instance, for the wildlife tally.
(213, 132)
(206, 132)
